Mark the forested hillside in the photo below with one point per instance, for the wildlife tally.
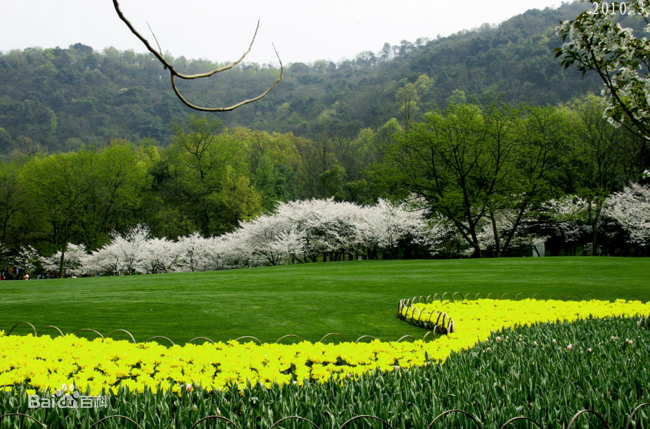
(58, 99)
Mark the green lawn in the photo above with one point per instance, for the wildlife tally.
(351, 298)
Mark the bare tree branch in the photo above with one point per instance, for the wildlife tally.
(175, 74)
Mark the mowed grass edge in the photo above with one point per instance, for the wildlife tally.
(351, 298)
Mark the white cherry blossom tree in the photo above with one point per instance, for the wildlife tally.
(159, 255)
(74, 264)
(566, 217)
(123, 254)
(27, 259)
(597, 42)
(630, 209)
(388, 226)
(192, 251)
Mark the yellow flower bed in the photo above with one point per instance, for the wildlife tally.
(474, 320)
(45, 363)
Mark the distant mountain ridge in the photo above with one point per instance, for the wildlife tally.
(59, 99)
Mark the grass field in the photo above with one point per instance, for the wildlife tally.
(351, 298)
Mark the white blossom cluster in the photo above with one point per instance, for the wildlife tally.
(566, 217)
(627, 211)
(300, 231)
(630, 209)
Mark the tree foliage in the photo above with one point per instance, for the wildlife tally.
(473, 164)
(598, 42)
(84, 194)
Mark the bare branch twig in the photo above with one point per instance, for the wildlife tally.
(175, 74)
(155, 38)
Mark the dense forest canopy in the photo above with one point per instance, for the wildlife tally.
(62, 98)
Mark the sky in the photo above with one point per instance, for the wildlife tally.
(220, 31)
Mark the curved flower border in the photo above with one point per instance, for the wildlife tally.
(103, 365)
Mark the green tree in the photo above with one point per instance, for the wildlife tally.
(64, 185)
(602, 157)
(408, 96)
(82, 197)
(334, 181)
(121, 179)
(316, 157)
(273, 161)
(206, 165)
(18, 214)
(473, 165)
(237, 201)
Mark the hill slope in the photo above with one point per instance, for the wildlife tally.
(61, 98)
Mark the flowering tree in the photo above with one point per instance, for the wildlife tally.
(261, 235)
(440, 237)
(566, 218)
(301, 231)
(123, 255)
(387, 226)
(322, 226)
(231, 251)
(28, 259)
(292, 243)
(74, 260)
(631, 210)
(593, 41)
(306, 230)
(158, 255)
(192, 251)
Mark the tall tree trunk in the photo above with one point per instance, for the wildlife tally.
(594, 228)
(497, 239)
(62, 263)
